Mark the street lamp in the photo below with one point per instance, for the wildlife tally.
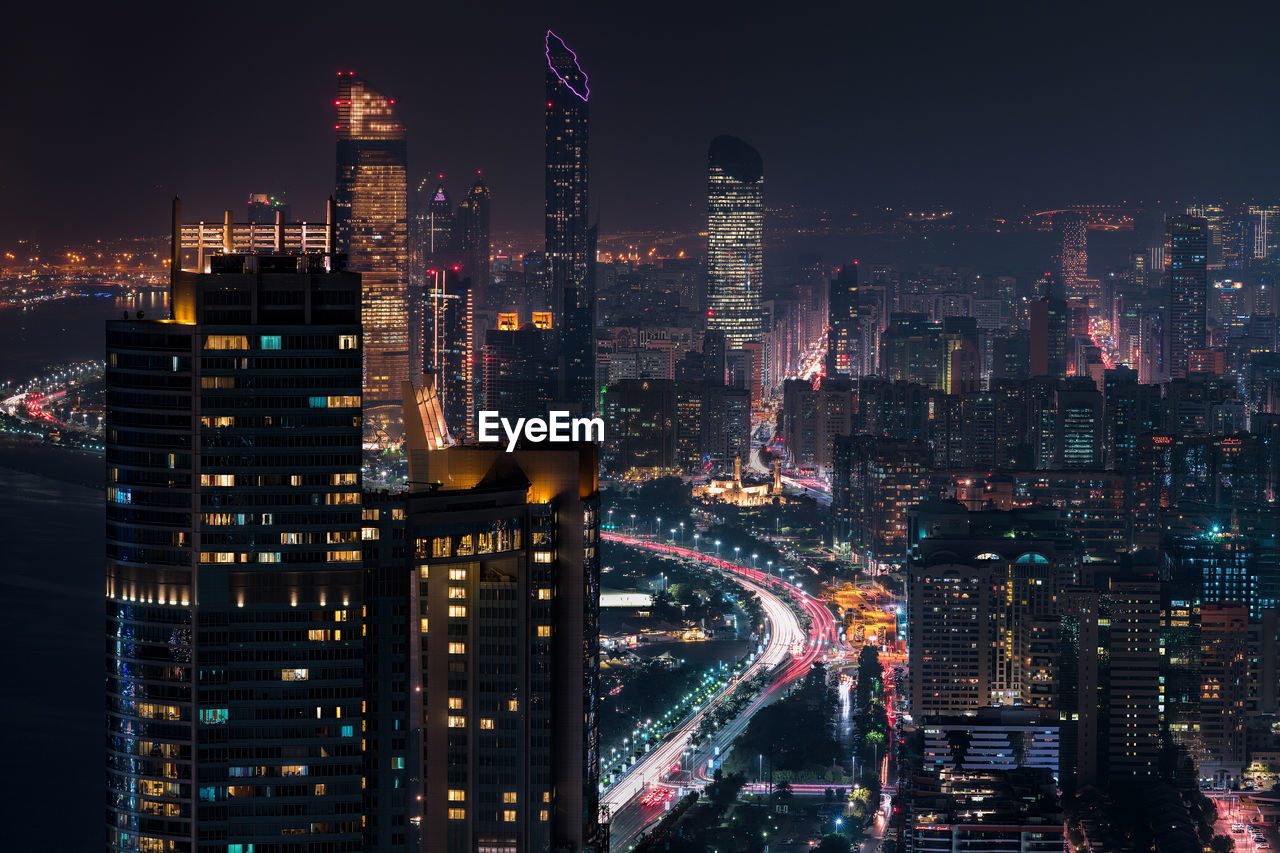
(753, 560)
(695, 541)
(717, 549)
(633, 524)
(682, 534)
(657, 529)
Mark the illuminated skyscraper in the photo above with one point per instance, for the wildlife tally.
(1071, 255)
(1188, 290)
(735, 240)
(570, 246)
(372, 228)
(233, 558)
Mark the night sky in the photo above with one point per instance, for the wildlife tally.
(110, 111)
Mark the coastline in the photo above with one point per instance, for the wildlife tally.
(64, 464)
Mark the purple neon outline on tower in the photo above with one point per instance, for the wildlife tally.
(560, 76)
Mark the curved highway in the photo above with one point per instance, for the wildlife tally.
(632, 813)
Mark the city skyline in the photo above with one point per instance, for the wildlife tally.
(838, 132)
(908, 517)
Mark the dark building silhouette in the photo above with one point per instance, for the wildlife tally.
(1188, 290)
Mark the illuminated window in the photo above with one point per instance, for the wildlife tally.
(318, 634)
(544, 815)
(455, 703)
(320, 789)
(486, 723)
(369, 533)
(509, 816)
(343, 556)
(457, 814)
(217, 421)
(457, 648)
(457, 574)
(217, 479)
(457, 795)
(348, 479)
(542, 556)
(513, 704)
(271, 342)
(457, 611)
(440, 547)
(345, 401)
(509, 796)
(457, 592)
(269, 557)
(424, 625)
(544, 594)
(348, 341)
(294, 674)
(290, 538)
(226, 342)
(544, 630)
(457, 721)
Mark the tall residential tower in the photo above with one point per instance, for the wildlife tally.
(233, 572)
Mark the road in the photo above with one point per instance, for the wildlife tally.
(632, 813)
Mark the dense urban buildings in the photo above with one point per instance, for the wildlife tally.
(970, 543)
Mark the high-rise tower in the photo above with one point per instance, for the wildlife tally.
(1071, 254)
(1188, 289)
(504, 638)
(471, 227)
(735, 240)
(372, 228)
(570, 246)
(233, 578)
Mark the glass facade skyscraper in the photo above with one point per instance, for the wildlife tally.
(372, 228)
(233, 579)
(570, 243)
(735, 240)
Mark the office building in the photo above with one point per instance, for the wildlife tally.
(234, 591)
(372, 229)
(735, 240)
(982, 608)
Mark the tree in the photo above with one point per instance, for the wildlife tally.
(833, 843)
(1222, 844)
(783, 791)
